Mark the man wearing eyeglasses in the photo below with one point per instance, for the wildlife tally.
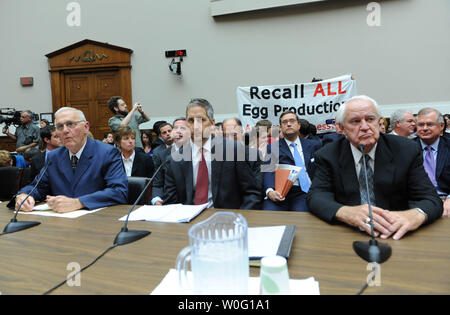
(293, 150)
(27, 134)
(436, 152)
(84, 173)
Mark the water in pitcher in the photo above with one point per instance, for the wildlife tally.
(225, 273)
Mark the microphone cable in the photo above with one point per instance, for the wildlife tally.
(79, 271)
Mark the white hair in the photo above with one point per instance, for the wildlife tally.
(340, 114)
(80, 113)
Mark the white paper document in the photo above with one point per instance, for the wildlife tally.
(43, 211)
(167, 213)
(170, 285)
(264, 241)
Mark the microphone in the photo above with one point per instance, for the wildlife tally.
(126, 236)
(371, 251)
(14, 225)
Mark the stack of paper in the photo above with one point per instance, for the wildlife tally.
(166, 213)
(170, 286)
(43, 211)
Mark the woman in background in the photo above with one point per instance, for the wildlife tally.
(146, 139)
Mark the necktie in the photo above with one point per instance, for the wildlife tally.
(302, 176)
(362, 182)
(201, 189)
(74, 162)
(430, 165)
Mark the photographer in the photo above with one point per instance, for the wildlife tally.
(27, 134)
(125, 118)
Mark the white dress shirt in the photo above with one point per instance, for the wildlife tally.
(128, 163)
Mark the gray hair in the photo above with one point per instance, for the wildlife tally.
(427, 110)
(398, 115)
(340, 114)
(202, 103)
(80, 113)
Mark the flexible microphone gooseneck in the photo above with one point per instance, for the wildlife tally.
(14, 225)
(125, 236)
(371, 251)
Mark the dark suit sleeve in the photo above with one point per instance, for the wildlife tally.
(321, 199)
(170, 187)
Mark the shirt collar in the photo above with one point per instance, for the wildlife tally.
(435, 145)
(131, 158)
(297, 141)
(358, 154)
(78, 154)
(206, 146)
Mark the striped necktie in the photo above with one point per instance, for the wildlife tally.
(74, 162)
(362, 182)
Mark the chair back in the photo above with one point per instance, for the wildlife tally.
(135, 186)
(10, 177)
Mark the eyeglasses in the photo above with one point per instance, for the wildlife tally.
(69, 124)
(291, 121)
(429, 125)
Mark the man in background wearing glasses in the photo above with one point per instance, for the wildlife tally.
(84, 173)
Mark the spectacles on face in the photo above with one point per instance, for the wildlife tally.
(289, 121)
(429, 124)
(69, 124)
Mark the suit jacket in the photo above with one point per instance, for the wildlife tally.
(442, 164)
(158, 183)
(285, 157)
(400, 181)
(99, 179)
(233, 184)
(142, 165)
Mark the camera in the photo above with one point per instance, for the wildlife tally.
(9, 116)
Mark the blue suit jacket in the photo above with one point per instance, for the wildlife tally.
(99, 179)
(285, 157)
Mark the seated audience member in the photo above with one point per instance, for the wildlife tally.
(146, 138)
(5, 158)
(232, 129)
(135, 162)
(403, 123)
(85, 173)
(268, 125)
(400, 197)
(382, 125)
(165, 133)
(436, 152)
(203, 172)
(158, 140)
(50, 141)
(19, 161)
(108, 138)
(292, 150)
(180, 136)
(218, 131)
(44, 123)
(446, 132)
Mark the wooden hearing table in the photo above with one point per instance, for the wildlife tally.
(35, 260)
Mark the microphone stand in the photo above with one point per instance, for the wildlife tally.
(14, 225)
(126, 236)
(371, 251)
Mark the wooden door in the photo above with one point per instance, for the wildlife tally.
(89, 92)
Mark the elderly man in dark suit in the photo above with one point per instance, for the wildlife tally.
(210, 169)
(436, 152)
(402, 196)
